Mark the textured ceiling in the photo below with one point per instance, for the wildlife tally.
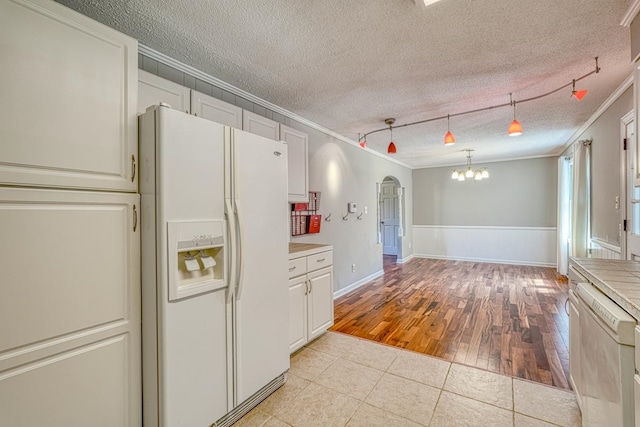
(348, 65)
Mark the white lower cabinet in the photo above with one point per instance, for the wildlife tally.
(310, 298)
(70, 352)
(636, 393)
(575, 376)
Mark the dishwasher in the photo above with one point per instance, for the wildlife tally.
(607, 362)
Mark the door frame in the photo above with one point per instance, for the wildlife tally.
(625, 180)
(401, 215)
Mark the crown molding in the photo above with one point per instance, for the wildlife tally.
(167, 60)
(631, 13)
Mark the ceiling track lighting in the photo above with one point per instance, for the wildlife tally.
(469, 172)
(450, 139)
(391, 149)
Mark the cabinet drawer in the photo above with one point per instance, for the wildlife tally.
(637, 340)
(297, 267)
(321, 260)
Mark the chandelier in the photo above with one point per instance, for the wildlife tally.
(468, 173)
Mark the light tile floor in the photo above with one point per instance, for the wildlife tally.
(340, 380)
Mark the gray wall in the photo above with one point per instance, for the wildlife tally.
(605, 167)
(341, 172)
(344, 173)
(520, 193)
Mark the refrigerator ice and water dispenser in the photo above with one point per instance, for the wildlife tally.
(196, 257)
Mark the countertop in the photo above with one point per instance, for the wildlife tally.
(618, 279)
(297, 250)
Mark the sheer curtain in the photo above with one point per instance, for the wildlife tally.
(581, 206)
(565, 190)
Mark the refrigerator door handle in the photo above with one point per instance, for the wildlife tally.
(232, 233)
(240, 261)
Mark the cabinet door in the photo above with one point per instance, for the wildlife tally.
(68, 110)
(574, 348)
(213, 109)
(636, 389)
(254, 123)
(152, 90)
(70, 308)
(298, 163)
(297, 313)
(320, 301)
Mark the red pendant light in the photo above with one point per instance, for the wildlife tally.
(449, 139)
(578, 94)
(391, 149)
(363, 141)
(515, 128)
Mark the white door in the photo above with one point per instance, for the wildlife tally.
(258, 125)
(152, 90)
(297, 143)
(389, 218)
(261, 298)
(320, 301)
(632, 192)
(213, 109)
(68, 110)
(70, 309)
(297, 312)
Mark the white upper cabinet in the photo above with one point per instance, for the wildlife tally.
(298, 161)
(255, 123)
(152, 90)
(68, 115)
(213, 109)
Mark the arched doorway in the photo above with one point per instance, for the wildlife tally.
(390, 218)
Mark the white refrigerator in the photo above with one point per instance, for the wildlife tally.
(214, 269)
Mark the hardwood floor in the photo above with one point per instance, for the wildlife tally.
(504, 318)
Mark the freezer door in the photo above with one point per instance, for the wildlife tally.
(261, 299)
(187, 340)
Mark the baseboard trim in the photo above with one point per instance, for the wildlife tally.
(487, 260)
(405, 259)
(356, 285)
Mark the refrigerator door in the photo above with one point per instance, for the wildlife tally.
(193, 333)
(261, 299)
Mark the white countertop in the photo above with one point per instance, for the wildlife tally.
(618, 279)
(297, 250)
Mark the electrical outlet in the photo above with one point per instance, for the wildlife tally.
(366, 210)
(353, 268)
(617, 202)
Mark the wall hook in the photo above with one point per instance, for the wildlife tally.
(360, 216)
(346, 217)
(328, 218)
